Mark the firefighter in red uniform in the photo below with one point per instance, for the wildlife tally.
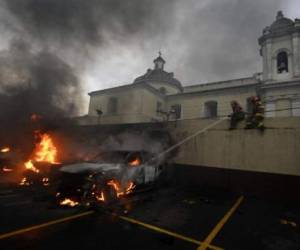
(256, 117)
(237, 114)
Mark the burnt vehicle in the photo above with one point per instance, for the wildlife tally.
(109, 178)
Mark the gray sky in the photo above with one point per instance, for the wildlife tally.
(111, 42)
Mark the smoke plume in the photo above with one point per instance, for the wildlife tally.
(49, 44)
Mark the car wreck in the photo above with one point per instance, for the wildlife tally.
(109, 178)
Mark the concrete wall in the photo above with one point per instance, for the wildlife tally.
(192, 105)
(134, 105)
(277, 150)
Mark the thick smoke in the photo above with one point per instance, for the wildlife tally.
(89, 23)
(52, 41)
(72, 29)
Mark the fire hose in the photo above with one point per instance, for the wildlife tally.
(201, 131)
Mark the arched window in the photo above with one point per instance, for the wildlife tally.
(211, 109)
(282, 62)
(112, 106)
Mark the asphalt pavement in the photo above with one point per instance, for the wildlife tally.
(169, 218)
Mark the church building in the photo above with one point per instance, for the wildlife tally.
(158, 96)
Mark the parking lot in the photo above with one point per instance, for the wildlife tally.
(169, 218)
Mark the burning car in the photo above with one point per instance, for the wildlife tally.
(108, 178)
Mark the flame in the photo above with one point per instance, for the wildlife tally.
(130, 187)
(29, 166)
(101, 197)
(5, 150)
(118, 189)
(68, 202)
(45, 151)
(24, 182)
(6, 169)
(135, 162)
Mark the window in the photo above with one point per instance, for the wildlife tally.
(211, 109)
(176, 109)
(112, 107)
(296, 107)
(270, 109)
(282, 62)
(158, 106)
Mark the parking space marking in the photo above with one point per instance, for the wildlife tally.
(167, 232)
(50, 223)
(220, 225)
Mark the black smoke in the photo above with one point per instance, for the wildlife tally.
(36, 73)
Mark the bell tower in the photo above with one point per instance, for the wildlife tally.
(280, 49)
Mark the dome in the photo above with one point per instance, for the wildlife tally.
(281, 22)
(159, 75)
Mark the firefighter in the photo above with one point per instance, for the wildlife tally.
(237, 114)
(256, 117)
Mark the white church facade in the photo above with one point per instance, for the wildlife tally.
(158, 96)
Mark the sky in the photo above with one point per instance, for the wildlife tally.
(104, 43)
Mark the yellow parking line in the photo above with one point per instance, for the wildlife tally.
(164, 231)
(206, 243)
(219, 226)
(25, 230)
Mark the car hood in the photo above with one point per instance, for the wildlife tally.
(92, 167)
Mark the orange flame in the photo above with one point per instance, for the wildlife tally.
(29, 166)
(118, 189)
(5, 150)
(100, 197)
(45, 151)
(135, 162)
(24, 182)
(69, 202)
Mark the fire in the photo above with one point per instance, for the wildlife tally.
(24, 182)
(135, 162)
(130, 187)
(118, 188)
(69, 202)
(6, 169)
(100, 197)
(5, 150)
(29, 165)
(45, 151)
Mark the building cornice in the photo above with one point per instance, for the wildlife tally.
(125, 87)
(281, 84)
(255, 85)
